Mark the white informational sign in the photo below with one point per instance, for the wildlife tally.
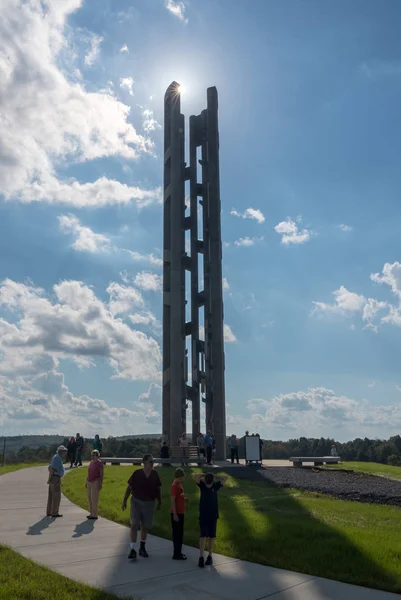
(252, 448)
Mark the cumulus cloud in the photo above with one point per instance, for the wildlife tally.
(124, 48)
(150, 282)
(150, 258)
(248, 241)
(291, 232)
(346, 228)
(226, 285)
(250, 213)
(73, 324)
(86, 240)
(37, 402)
(123, 298)
(321, 412)
(229, 336)
(127, 83)
(149, 404)
(345, 303)
(177, 9)
(93, 53)
(149, 122)
(49, 117)
(349, 303)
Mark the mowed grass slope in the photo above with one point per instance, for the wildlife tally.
(372, 468)
(11, 468)
(306, 532)
(22, 579)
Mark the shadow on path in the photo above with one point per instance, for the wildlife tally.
(280, 532)
(40, 526)
(84, 528)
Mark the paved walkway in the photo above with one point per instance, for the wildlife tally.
(96, 553)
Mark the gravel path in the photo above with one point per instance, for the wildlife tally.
(347, 485)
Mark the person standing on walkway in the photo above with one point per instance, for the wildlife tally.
(183, 444)
(234, 449)
(80, 448)
(177, 511)
(200, 442)
(208, 447)
(94, 483)
(97, 444)
(145, 487)
(56, 473)
(71, 450)
(209, 486)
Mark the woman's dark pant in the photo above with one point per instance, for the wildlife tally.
(208, 454)
(234, 455)
(178, 534)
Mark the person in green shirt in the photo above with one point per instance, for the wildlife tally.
(97, 443)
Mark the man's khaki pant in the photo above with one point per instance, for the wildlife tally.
(93, 496)
(54, 497)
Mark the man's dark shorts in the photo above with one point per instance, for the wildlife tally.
(207, 528)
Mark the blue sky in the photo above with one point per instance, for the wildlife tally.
(309, 96)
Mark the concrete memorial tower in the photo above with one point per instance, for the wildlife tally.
(193, 365)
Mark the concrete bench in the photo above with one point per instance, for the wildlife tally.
(297, 461)
(178, 455)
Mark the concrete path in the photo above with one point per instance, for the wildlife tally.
(96, 553)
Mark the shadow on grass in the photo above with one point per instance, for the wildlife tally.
(286, 535)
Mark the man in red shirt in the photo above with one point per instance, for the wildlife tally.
(145, 487)
(177, 511)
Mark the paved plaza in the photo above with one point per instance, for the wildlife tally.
(95, 553)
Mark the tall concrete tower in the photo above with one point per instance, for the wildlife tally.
(193, 364)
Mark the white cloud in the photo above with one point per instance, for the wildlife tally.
(391, 276)
(124, 48)
(291, 233)
(226, 285)
(149, 404)
(177, 9)
(93, 53)
(86, 240)
(247, 241)
(151, 258)
(320, 412)
(74, 325)
(348, 303)
(123, 298)
(47, 118)
(127, 83)
(149, 123)
(345, 303)
(229, 336)
(372, 384)
(346, 228)
(250, 213)
(150, 282)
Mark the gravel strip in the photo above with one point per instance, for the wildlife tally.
(347, 485)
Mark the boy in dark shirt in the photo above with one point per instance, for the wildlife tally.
(209, 486)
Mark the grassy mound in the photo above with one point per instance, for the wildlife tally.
(306, 532)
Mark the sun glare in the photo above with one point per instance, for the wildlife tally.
(181, 90)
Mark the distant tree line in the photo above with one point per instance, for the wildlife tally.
(366, 450)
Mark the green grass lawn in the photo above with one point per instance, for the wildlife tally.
(21, 578)
(10, 468)
(372, 468)
(306, 532)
